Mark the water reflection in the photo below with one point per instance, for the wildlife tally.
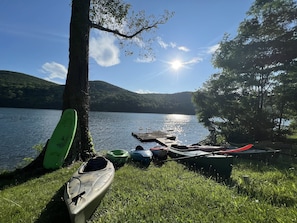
(182, 126)
(178, 117)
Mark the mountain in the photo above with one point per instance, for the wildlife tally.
(24, 91)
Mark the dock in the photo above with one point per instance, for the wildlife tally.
(166, 142)
(160, 137)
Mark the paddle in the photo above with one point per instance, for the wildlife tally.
(240, 149)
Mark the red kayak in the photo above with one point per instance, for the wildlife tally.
(216, 149)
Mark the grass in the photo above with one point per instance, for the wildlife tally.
(37, 199)
(256, 192)
(293, 136)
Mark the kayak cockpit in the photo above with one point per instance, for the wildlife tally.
(94, 164)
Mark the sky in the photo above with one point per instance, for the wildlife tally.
(34, 39)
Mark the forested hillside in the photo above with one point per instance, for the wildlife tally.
(24, 91)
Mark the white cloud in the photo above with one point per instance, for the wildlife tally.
(213, 48)
(162, 43)
(141, 91)
(172, 45)
(145, 59)
(138, 41)
(193, 60)
(165, 45)
(54, 71)
(183, 48)
(103, 49)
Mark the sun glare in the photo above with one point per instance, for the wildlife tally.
(176, 64)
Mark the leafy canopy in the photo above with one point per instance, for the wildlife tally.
(248, 99)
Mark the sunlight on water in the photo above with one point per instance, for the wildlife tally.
(185, 127)
(179, 117)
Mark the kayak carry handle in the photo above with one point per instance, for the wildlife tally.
(75, 199)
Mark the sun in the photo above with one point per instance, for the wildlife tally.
(176, 64)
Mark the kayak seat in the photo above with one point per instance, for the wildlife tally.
(96, 163)
(139, 148)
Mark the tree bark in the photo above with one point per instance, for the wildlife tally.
(76, 92)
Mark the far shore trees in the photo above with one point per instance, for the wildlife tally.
(112, 16)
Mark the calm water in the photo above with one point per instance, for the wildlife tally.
(21, 129)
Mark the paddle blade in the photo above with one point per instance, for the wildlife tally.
(240, 149)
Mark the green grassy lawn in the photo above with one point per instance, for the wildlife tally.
(293, 136)
(256, 192)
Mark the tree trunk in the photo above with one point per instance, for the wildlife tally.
(76, 92)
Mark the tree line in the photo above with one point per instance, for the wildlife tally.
(253, 96)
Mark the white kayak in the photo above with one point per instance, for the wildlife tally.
(86, 188)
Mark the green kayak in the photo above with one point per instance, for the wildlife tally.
(211, 163)
(61, 140)
(118, 157)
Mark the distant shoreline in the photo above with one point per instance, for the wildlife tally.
(19, 90)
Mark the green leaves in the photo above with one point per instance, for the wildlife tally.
(248, 92)
(118, 18)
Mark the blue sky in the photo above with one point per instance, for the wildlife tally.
(34, 39)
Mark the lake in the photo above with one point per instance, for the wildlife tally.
(21, 129)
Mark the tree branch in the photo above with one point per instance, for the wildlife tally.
(97, 26)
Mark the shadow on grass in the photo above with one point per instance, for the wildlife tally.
(282, 162)
(32, 170)
(285, 161)
(20, 176)
(55, 210)
(209, 172)
(140, 165)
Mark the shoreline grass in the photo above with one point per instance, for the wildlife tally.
(256, 192)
